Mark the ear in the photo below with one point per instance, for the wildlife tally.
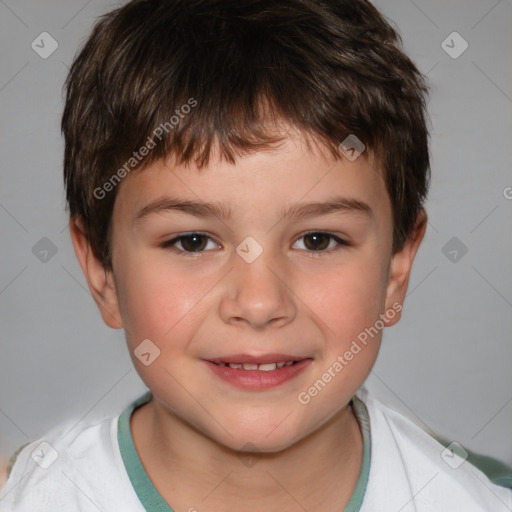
(100, 281)
(400, 270)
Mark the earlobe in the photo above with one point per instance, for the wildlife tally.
(100, 281)
(400, 269)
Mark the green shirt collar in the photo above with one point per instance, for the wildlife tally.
(153, 501)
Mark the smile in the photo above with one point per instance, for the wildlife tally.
(265, 367)
(257, 373)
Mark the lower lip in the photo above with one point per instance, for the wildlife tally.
(257, 379)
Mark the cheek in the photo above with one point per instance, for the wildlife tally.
(348, 303)
(156, 302)
(347, 299)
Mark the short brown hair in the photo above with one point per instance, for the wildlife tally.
(330, 68)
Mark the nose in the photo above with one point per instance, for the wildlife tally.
(258, 293)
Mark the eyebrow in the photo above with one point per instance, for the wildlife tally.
(221, 210)
(334, 205)
(198, 209)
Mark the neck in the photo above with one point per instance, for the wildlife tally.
(321, 469)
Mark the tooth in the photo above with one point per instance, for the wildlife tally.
(266, 367)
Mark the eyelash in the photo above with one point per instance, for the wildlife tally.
(170, 244)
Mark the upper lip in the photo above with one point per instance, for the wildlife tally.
(255, 359)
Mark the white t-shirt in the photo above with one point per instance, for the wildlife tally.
(95, 467)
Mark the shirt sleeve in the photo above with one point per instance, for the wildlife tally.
(13, 458)
(496, 470)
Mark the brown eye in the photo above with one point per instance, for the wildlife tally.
(193, 243)
(320, 242)
(187, 244)
(317, 241)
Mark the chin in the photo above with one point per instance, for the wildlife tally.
(260, 436)
(246, 443)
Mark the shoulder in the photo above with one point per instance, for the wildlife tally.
(421, 472)
(70, 468)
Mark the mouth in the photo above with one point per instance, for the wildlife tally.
(264, 362)
(258, 372)
(263, 367)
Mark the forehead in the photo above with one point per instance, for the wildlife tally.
(278, 179)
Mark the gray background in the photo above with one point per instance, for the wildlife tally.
(447, 364)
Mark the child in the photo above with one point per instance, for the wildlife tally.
(290, 139)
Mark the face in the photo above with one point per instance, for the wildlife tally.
(264, 278)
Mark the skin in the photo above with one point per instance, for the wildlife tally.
(291, 299)
(3, 472)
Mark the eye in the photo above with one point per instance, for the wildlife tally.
(189, 243)
(315, 241)
(319, 241)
